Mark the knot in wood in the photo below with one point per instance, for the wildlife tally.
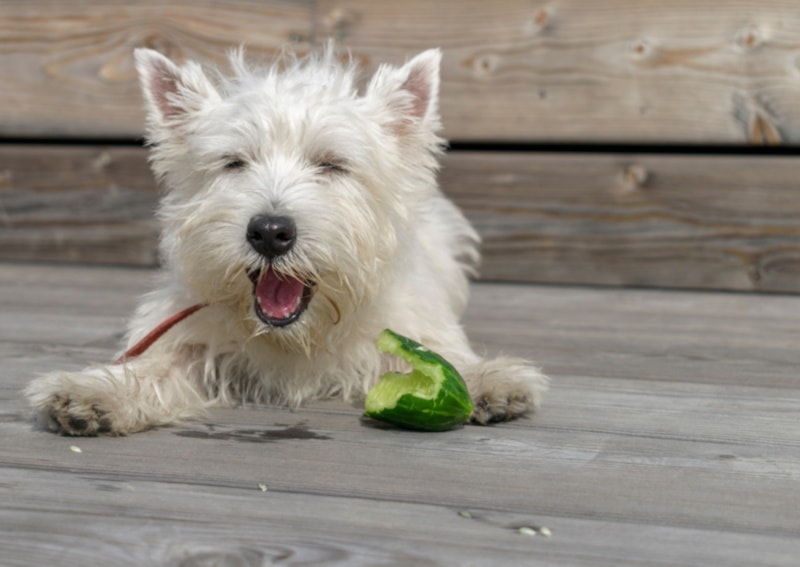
(164, 46)
(339, 21)
(643, 50)
(762, 126)
(485, 65)
(633, 177)
(541, 21)
(750, 38)
(754, 274)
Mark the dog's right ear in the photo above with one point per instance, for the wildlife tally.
(171, 92)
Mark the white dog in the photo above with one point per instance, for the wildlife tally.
(304, 217)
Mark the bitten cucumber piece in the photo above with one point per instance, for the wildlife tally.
(432, 397)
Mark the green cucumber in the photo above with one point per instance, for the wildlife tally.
(432, 397)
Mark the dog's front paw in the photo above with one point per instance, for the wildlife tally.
(504, 388)
(73, 404)
(72, 417)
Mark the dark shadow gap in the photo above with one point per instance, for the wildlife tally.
(488, 146)
(599, 148)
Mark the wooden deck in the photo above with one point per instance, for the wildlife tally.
(670, 437)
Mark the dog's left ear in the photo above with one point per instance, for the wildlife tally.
(412, 91)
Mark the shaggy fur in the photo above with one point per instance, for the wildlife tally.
(377, 245)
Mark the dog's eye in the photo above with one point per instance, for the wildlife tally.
(234, 163)
(332, 167)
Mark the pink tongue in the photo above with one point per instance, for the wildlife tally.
(278, 296)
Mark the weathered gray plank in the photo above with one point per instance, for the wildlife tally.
(708, 222)
(710, 338)
(645, 220)
(644, 335)
(633, 459)
(166, 523)
(57, 308)
(656, 463)
(578, 70)
(77, 204)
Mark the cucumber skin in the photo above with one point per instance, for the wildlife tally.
(452, 405)
(413, 352)
(442, 413)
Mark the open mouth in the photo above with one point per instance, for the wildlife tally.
(279, 299)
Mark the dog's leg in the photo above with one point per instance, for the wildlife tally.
(117, 399)
(503, 388)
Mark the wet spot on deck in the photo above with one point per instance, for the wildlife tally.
(266, 435)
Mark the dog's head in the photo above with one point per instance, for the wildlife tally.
(287, 191)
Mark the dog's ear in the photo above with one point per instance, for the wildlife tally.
(412, 90)
(421, 81)
(171, 92)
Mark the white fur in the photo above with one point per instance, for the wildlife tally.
(381, 243)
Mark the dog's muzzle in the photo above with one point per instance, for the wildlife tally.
(279, 299)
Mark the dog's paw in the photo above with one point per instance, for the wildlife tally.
(68, 416)
(504, 388)
(74, 404)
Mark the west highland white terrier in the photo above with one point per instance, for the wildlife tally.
(300, 217)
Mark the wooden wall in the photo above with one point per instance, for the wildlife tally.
(560, 112)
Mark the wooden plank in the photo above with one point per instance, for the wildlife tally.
(705, 222)
(77, 204)
(676, 336)
(580, 70)
(692, 468)
(643, 334)
(68, 66)
(576, 70)
(690, 221)
(662, 445)
(64, 517)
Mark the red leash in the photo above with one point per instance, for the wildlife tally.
(151, 337)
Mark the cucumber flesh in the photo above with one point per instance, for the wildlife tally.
(395, 385)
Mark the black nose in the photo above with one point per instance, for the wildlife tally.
(271, 236)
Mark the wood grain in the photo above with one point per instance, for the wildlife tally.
(704, 221)
(579, 70)
(576, 70)
(698, 466)
(77, 204)
(165, 523)
(68, 68)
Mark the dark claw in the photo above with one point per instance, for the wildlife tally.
(78, 424)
